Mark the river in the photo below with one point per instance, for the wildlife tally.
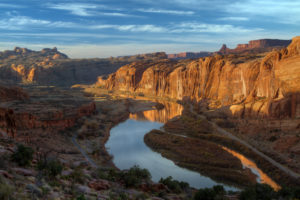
(126, 145)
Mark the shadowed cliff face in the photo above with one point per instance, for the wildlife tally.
(263, 85)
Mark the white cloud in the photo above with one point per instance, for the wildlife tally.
(132, 28)
(194, 27)
(79, 9)
(162, 11)
(188, 27)
(115, 14)
(287, 11)
(234, 18)
(6, 5)
(21, 22)
(87, 10)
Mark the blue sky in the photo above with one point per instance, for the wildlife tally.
(103, 28)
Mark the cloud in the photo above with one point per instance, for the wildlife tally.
(162, 11)
(6, 5)
(21, 22)
(234, 18)
(132, 28)
(79, 9)
(210, 28)
(287, 11)
(88, 10)
(115, 14)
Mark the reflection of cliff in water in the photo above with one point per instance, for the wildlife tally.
(170, 111)
(262, 177)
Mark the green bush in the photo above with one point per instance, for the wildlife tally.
(134, 176)
(258, 192)
(217, 192)
(81, 197)
(51, 168)
(289, 193)
(205, 194)
(174, 185)
(23, 156)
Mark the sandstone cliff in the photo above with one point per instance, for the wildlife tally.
(51, 67)
(250, 86)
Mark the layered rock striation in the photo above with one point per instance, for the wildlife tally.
(51, 67)
(53, 111)
(248, 85)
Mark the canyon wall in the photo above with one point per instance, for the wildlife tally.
(248, 86)
(51, 67)
(55, 111)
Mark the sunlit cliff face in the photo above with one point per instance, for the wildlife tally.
(262, 177)
(170, 111)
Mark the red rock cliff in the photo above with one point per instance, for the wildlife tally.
(266, 86)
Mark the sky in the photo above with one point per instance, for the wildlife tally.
(104, 28)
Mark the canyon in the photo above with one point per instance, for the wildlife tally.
(256, 96)
(250, 85)
(68, 107)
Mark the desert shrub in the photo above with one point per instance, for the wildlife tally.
(134, 176)
(216, 192)
(174, 185)
(289, 193)
(6, 192)
(51, 168)
(77, 176)
(23, 156)
(107, 174)
(81, 197)
(258, 192)
(205, 194)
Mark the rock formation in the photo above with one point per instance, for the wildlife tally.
(250, 86)
(45, 109)
(255, 46)
(188, 55)
(51, 67)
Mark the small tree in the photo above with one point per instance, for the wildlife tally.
(23, 156)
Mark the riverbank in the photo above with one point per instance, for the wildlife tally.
(205, 157)
(191, 125)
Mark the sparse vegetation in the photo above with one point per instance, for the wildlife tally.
(50, 167)
(174, 185)
(215, 193)
(23, 156)
(134, 176)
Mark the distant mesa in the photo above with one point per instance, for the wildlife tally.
(188, 55)
(255, 46)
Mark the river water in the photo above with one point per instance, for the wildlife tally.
(126, 145)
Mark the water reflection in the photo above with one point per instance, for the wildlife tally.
(126, 144)
(261, 176)
(170, 111)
